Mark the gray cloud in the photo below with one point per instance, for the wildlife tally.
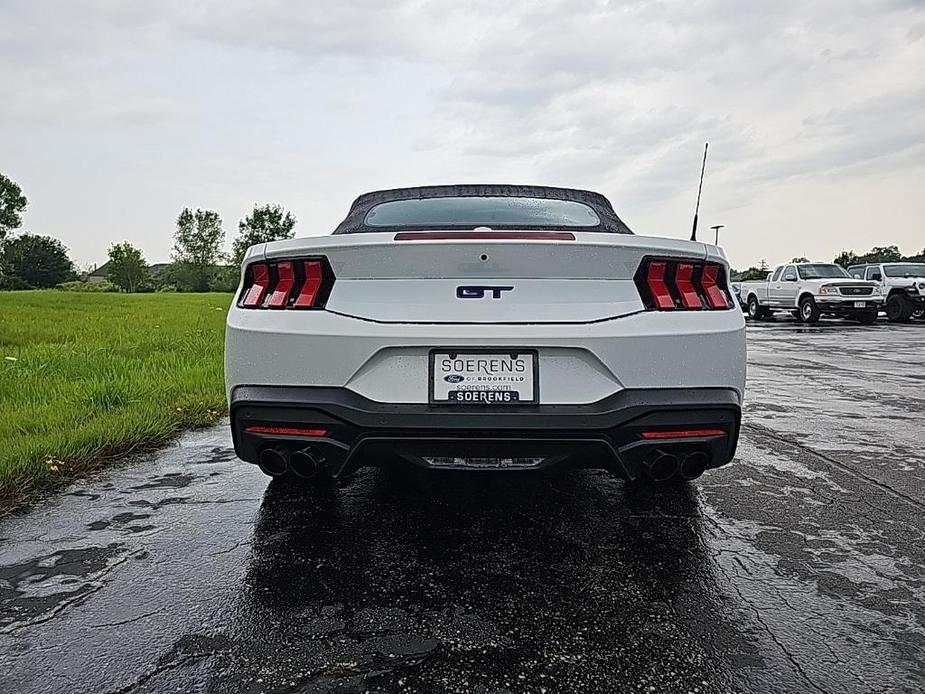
(224, 103)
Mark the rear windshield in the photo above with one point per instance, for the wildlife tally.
(815, 272)
(482, 211)
(909, 270)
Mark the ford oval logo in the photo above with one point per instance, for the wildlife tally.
(454, 378)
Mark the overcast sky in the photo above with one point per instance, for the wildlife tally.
(115, 114)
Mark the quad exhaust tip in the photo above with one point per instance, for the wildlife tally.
(663, 466)
(305, 463)
(694, 465)
(272, 461)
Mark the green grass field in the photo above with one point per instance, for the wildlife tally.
(85, 377)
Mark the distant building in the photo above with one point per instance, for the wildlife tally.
(102, 272)
(99, 274)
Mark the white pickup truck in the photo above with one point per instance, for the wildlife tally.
(903, 285)
(810, 290)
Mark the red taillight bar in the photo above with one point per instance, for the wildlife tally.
(279, 284)
(716, 297)
(280, 296)
(314, 274)
(260, 275)
(684, 281)
(683, 434)
(287, 431)
(655, 279)
(484, 235)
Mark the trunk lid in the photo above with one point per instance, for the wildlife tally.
(505, 278)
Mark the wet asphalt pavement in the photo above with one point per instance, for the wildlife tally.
(798, 568)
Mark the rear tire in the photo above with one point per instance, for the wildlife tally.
(867, 318)
(755, 310)
(809, 312)
(898, 309)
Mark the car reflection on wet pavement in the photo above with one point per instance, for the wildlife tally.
(799, 567)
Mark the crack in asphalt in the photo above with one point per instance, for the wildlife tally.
(783, 649)
(97, 583)
(159, 670)
(792, 443)
(124, 621)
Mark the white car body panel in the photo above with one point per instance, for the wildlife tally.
(593, 335)
(578, 363)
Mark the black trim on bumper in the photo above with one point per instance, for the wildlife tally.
(848, 306)
(601, 434)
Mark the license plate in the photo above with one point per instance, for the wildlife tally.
(483, 377)
(860, 304)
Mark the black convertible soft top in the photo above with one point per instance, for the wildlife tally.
(355, 221)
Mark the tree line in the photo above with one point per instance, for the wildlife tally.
(198, 262)
(877, 254)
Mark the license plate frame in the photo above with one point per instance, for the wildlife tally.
(510, 351)
(860, 304)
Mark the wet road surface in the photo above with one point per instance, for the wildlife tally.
(798, 568)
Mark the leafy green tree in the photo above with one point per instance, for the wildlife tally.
(127, 267)
(877, 254)
(12, 205)
(749, 275)
(846, 259)
(265, 223)
(197, 248)
(883, 254)
(225, 279)
(41, 261)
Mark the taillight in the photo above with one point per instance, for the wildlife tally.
(254, 292)
(658, 290)
(684, 281)
(303, 283)
(285, 278)
(311, 287)
(668, 284)
(709, 280)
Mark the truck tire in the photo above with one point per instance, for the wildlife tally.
(898, 309)
(867, 317)
(809, 312)
(755, 310)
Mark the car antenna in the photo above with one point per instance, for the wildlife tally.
(699, 189)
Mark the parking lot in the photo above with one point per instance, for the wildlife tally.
(800, 567)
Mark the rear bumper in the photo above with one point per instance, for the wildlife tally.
(579, 363)
(352, 431)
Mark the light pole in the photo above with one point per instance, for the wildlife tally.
(716, 228)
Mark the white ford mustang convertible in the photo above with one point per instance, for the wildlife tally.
(485, 327)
